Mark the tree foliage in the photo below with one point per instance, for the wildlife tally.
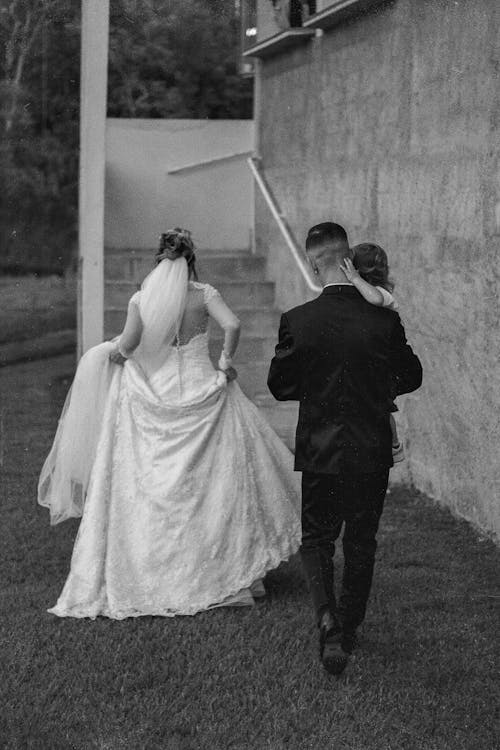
(176, 59)
(167, 58)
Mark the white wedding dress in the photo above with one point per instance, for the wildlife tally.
(187, 495)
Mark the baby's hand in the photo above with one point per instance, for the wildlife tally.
(350, 272)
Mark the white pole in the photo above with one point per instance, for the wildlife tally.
(281, 222)
(257, 103)
(93, 102)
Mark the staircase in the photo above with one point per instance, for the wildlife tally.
(240, 278)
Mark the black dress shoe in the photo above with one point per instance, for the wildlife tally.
(349, 641)
(332, 655)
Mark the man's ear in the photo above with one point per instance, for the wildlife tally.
(312, 263)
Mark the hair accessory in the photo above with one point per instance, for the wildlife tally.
(177, 241)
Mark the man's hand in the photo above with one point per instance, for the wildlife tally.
(116, 357)
(350, 272)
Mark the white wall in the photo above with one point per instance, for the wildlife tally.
(142, 199)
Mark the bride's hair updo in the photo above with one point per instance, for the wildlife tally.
(177, 243)
(372, 264)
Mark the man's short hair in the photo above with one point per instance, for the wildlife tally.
(326, 233)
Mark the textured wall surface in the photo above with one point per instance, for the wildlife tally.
(267, 20)
(142, 199)
(390, 124)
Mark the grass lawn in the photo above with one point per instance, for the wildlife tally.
(31, 306)
(425, 677)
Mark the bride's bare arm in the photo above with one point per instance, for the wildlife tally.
(130, 337)
(228, 321)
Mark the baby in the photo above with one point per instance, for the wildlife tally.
(369, 273)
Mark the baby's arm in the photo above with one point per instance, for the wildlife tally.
(371, 294)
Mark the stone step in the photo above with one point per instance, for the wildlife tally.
(237, 295)
(254, 322)
(135, 265)
(252, 378)
(250, 348)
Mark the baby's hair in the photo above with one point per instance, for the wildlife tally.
(372, 264)
(179, 242)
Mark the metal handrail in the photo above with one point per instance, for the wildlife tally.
(207, 162)
(266, 191)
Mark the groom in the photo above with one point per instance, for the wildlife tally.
(344, 360)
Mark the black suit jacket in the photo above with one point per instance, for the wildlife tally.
(344, 360)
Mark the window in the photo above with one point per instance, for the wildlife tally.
(292, 13)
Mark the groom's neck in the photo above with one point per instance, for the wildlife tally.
(333, 276)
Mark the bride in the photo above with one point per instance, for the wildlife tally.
(187, 496)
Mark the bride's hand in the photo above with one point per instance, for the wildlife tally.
(230, 374)
(350, 272)
(116, 357)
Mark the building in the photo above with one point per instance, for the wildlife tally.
(385, 116)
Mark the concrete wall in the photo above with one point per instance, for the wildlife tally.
(389, 124)
(142, 199)
(267, 25)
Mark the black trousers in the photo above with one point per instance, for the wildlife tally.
(328, 502)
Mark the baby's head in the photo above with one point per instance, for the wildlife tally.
(371, 262)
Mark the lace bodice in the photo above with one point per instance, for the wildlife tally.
(200, 300)
(203, 302)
